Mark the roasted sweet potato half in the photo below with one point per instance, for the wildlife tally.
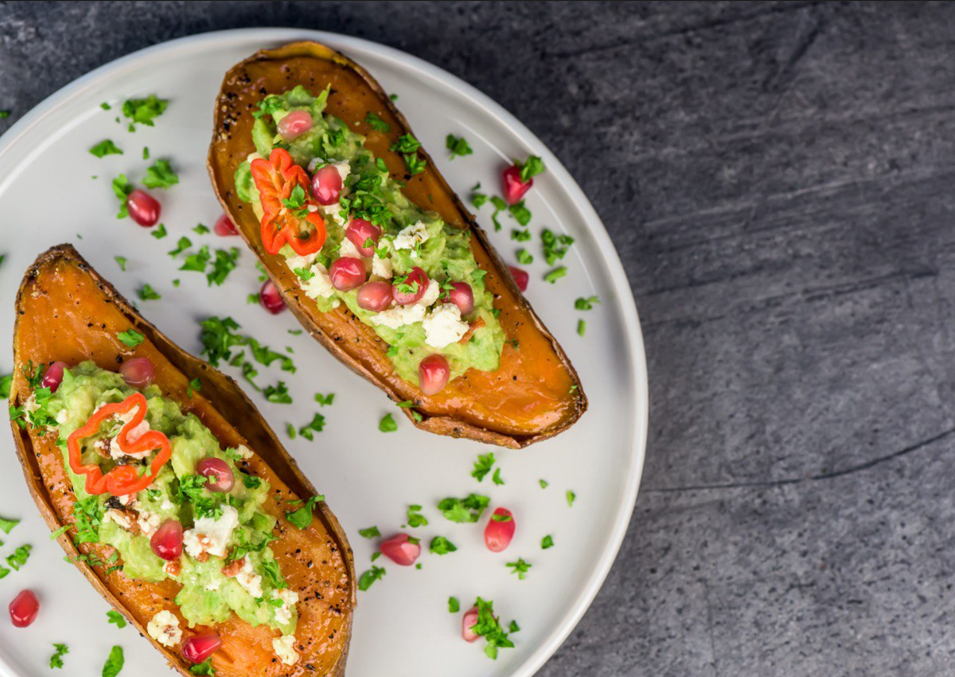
(533, 395)
(66, 311)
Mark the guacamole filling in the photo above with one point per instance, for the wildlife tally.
(410, 238)
(226, 566)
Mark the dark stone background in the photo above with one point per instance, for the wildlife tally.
(778, 180)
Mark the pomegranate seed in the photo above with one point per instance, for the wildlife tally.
(143, 208)
(468, 622)
(295, 124)
(462, 296)
(347, 273)
(53, 376)
(167, 541)
(198, 648)
(224, 227)
(24, 608)
(520, 277)
(416, 284)
(327, 185)
(270, 299)
(138, 372)
(359, 232)
(220, 478)
(375, 296)
(499, 530)
(433, 374)
(514, 188)
(401, 550)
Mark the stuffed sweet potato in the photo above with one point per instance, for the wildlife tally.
(375, 254)
(170, 492)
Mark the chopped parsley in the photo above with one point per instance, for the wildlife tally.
(387, 424)
(524, 257)
(581, 327)
(442, 546)
(56, 660)
(325, 400)
(144, 111)
(571, 497)
(316, 425)
(145, 152)
(203, 669)
(530, 168)
(195, 385)
(547, 542)
(19, 557)
(586, 303)
(369, 577)
(478, 199)
(490, 629)
(544, 483)
(555, 274)
(160, 232)
(415, 518)
(201, 229)
(121, 262)
(4, 114)
(197, 262)
(147, 293)
(87, 516)
(377, 123)
(121, 189)
(454, 605)
(520, 567)
(408, 146)
(181, 246)
(130, 337)
(482, 466)
(278, 394)
(6, 525)
(224, 263)
(104, 148)
(369, 532)
(114, 663)
(464, 510)
(521, 235)
(457, 146)
(302, 517)
(5, 382)
(497, 477)
(116, 618)
(554, 246)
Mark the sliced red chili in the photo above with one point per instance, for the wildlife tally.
(275, 179)
(123, 479)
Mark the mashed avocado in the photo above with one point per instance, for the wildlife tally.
(411, 237)
(226, 566)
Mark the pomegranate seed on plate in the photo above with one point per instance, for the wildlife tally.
(143, 208)
(359, 232)
(138, 372)
(53, 376)
(24, 608)
(401, 550)
(270, 299)
(198, 648)
(375, 296)
(514, 188)
(220, 478)
(415, 286)
(346, 273)
(295, 124)
(433, 374)
(520, 277)
(327, 185)
(468, 622)
(166, 542)
(499, 530)
(224, 227)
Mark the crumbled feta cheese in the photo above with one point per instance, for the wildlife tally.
(334, 212)
(381, 267)
(167, 505)
(119, 517)
(349, 249)
(148, 522)
(211, 536)
(301, 261)
(411, 237)
(30, 405)
(250, 581)
(214, 584)
(284, 649)
(117, 451)
(127, 499)
(399, 316)
(164, 628)
(320, 284)
(444, 326)
(243, 451)
(62, 416)
(283, 614)
(430, 295)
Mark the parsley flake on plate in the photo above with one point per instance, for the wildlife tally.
(457, 146)
(56, 660)
(369, 577)
(586, 303)
(369, 532)
(147, 293)
(121, 262)
(547, 542)
(19, 557)
(482, 466)
(415, 518)
(454, 605)
(464, 510)
(114, 662)
(104, 148)
(302, 517)
(520, 567)
(489, 627)
(160, 232)
(555, 274)
(571, 497)
(116, 618)
(144, 111)
(387, 424)
(6, 525)
(442, 546)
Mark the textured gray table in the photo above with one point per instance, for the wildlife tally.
(778, 179)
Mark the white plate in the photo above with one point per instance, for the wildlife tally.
(402, 625)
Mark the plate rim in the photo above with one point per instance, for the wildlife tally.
(586, 594)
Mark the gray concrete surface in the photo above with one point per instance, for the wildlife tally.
(778, 179)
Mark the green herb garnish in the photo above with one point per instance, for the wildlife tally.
(104, 148)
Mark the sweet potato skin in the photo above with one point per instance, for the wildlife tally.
(534, 395)
(66, 311)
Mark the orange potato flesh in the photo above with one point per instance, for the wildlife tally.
(535, 393)
(66, 312)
